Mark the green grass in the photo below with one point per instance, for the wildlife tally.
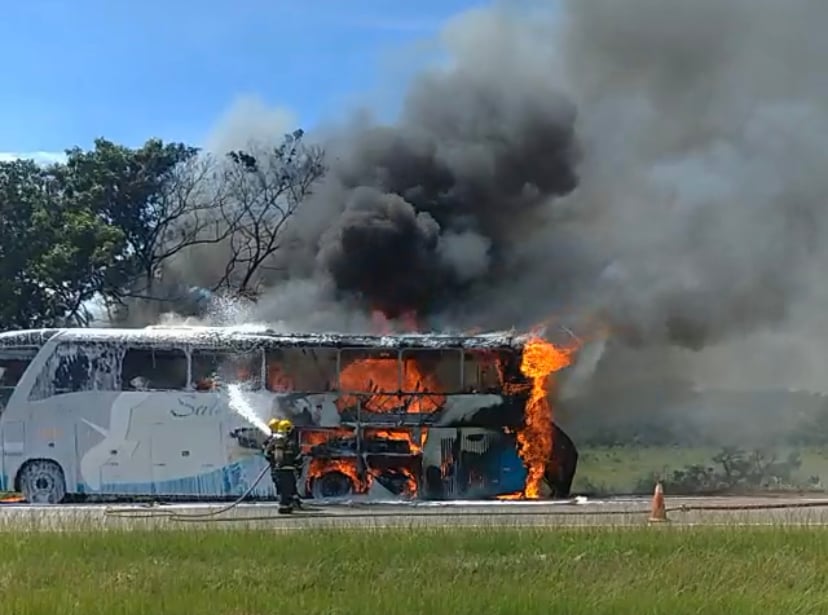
(237, 572)
(617, 470)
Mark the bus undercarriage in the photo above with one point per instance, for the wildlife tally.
(439, 463)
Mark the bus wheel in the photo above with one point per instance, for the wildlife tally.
(42, 482)
(332, 485)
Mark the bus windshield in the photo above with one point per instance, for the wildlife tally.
(13, 364)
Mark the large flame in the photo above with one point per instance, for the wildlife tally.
(398, 435)
(385, 383)
(540, 360)
(381, 378)
(347, 466)
(314, 436)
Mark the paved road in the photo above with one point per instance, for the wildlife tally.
(631, 511)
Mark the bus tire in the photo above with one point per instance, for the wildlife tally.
(41, 481)
(332, 484)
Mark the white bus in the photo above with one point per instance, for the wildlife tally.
(143, 413)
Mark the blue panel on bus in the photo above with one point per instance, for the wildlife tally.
(512, 471)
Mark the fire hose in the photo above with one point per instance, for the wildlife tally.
(149, 513)
(517, 513)
(214, 516)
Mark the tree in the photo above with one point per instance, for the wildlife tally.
(117, 224)
(164, 198)
(266, 187)
(54, 255)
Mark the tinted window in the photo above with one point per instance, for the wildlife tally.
(228, 367)
(305, 370)
(154, 369)
(13, 364)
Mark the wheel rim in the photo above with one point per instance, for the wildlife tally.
(40, 484)
(41, 489)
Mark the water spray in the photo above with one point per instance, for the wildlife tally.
(239, 404)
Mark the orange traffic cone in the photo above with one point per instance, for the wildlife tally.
(659, 512)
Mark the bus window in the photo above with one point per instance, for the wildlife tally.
(303, 370)
(228, 367)
(72, 373)
(482, 373)
(74, 368)
(154, 369)
(13, 364)
(431, 371)
(369, 371)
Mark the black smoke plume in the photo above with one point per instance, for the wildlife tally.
(431, 206)
(657, 165)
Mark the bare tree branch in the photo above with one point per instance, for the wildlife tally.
(267, 188)
(192, 208)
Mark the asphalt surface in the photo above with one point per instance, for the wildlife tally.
(629, 511)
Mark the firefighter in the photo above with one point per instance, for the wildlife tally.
(282, 452)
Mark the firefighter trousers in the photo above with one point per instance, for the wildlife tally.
(284, 480)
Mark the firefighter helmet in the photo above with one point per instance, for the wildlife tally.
(280, 425)
(284, 426)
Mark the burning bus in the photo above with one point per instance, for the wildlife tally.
(144, 412)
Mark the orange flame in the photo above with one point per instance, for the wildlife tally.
(278, 380)
(310, 437)
(348, 467)
(540, 360)
(381, 377)
(410, 488)
(517, 495)
(402, 435)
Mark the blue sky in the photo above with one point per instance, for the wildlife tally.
(127, 70)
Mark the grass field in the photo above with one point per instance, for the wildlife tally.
(617, 470)
(227, 572)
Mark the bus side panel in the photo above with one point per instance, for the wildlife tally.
(13, 442)
(118, 458)
(169, 443)
(242, 464)
(61, 426)
(16, 416)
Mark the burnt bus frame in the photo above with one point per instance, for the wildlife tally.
(228, 341)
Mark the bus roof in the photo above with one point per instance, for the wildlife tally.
(26, 337)
(245, 336)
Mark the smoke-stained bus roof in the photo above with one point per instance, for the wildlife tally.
(247, 336)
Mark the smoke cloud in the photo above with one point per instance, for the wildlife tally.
(658, 164)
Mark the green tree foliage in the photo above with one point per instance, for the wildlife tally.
(154, 194)
(105, 224)
(54, 254)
